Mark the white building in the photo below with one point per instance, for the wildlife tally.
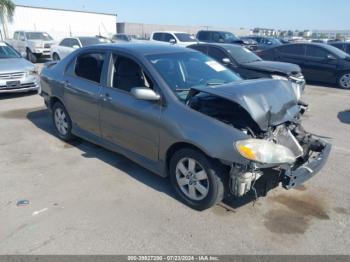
(60, 23)
(145, 30)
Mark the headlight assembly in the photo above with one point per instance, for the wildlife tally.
(265, 152)
(278, 77)
(33, 71)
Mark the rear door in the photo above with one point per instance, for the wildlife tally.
(318, 67)
(294, 54)
(125, 121)
(83, 82)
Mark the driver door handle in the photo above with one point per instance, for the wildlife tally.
(106, 97)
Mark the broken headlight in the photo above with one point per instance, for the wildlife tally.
(265, 152)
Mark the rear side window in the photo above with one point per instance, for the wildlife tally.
(293, 50)
(318, 52)
(204, 36)
(199, 48)
(65, 42)
(89, 66)
(217, 54)
(74, 42)
(158, 36)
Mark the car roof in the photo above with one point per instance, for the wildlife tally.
(171, 32)
(222, 45)
(143, 48)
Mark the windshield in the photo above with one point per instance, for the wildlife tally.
(185, 37)
(38, 36)
(340, 53)
(87, 41)
(229, 37)
(182, 71)
(242, 55)
(7, 52)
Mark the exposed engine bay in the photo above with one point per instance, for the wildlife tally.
(289, 134)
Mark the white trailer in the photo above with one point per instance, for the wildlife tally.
(60, 23)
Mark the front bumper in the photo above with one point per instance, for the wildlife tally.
(44, 52)
(27, 83)
(293, 178)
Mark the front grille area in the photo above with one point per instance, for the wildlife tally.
(47, 46)
(11, 76)
(26, 85)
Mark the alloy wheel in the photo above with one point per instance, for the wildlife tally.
(192, 179)
(345, 81)
(61, 121)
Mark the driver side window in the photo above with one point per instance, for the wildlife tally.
(127, 74)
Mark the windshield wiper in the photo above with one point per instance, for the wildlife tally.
(216, 83)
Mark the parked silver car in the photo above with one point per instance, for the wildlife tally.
(16, 73)
(181, 114)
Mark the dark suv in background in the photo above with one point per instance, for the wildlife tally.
(319, 62)
(224, 37)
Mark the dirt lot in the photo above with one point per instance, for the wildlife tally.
(87, 200)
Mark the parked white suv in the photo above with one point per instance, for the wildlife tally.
(33, 45)
(69, 44)
(176, 38)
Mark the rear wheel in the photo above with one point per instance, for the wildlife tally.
(344, 80)
(197, 179)
(62, 122)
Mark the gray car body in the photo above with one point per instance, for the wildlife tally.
(148, 132)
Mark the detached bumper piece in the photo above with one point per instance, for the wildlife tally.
(294, 178)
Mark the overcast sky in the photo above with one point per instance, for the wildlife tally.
(280, 14)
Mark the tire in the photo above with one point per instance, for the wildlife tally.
(56, 57)
(31, 57)
(189, 183)
(62, 122)
(344, 80)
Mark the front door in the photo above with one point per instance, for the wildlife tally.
(318, 66)
(125, 121)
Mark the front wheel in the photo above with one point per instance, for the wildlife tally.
(31, 57)
(62, 122)
(344, 80)
(197, 179)
(55, 57)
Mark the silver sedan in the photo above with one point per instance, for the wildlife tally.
(16, 73)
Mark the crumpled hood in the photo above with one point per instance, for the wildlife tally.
(268, 102)
(14, 65)
(271, 67)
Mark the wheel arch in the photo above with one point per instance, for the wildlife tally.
(53, 100)
(178, 146)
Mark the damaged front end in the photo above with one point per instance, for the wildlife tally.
(268, 113)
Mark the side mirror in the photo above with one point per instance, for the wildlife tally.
(172, 41)
(221, 40)
(226, 61)
(76, 46)
(331, 57)
(144, 93)
(269, 43)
